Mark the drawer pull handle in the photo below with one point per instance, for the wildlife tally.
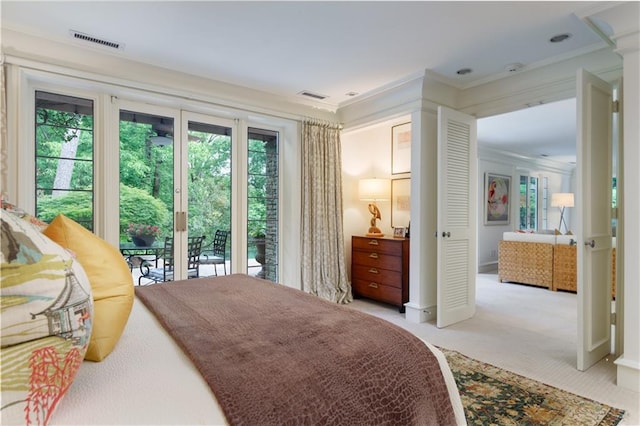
(373, 285)
(373, 242)
(373, 271)
(373, 255)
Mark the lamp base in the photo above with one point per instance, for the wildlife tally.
(374, 231)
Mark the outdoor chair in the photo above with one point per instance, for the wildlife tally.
(216, 252)
(166, 271)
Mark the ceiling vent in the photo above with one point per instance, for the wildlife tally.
(92, 39)
(312, 95)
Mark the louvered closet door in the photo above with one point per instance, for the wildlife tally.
(457, 207)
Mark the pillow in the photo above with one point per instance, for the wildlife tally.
(34, 221)
(110, 280)
(47, 310)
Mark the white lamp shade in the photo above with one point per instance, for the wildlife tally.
(562, 199)
(374, 189)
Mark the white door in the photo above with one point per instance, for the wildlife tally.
(457, 207)
(594, 153)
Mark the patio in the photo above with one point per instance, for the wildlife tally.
(205, 270)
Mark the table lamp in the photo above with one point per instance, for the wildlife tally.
(562, 200)
(374, 190)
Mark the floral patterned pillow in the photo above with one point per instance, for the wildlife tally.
(47, 312)
(15, 210)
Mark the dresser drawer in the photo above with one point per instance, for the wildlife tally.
(378, 245)
(376, 260)
(377, 291)
(382, 276)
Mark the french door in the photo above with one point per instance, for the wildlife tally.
(174, 183)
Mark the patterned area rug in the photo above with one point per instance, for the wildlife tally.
(491, 395)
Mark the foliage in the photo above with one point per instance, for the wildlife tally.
(138, 206)
(54, 130)
(147, 174)
(75, 205)
(209, 183)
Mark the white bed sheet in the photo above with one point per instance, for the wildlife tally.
(147, 379)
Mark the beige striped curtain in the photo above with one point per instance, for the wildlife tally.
(323, 263)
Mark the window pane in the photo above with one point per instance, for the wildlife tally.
(209, 189)
(146, 173)
(262, 203)
(64, 157)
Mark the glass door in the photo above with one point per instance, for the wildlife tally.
(147, 163)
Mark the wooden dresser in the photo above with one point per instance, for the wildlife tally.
(380, 269)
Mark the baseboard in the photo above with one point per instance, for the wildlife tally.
(628, 374)
(418, 314)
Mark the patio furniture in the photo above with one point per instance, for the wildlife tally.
(166, 271)
(216, 252)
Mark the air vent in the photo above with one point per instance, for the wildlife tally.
(92, 39)
(312, 95)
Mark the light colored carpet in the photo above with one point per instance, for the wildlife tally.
(528, 330)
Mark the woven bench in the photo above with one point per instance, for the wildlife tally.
(527, 263)
(544, 264)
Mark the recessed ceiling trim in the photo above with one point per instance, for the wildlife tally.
(96, 40)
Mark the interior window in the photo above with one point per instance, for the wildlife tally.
(64, 157)
(528, 203)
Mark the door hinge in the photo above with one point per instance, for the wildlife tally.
(613, 318)
(616, 106)
(181, 221)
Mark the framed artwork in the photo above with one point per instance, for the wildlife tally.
(398, 232)
(400, 202)
(401, 149)
(496, 199)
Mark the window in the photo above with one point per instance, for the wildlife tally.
(528, 202)
(64, 157)
(262, 203)
(545, 202)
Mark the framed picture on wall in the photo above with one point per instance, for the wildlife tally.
(400, 202)
(496, 199)
(401, 149)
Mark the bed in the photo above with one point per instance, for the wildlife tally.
(149, 379)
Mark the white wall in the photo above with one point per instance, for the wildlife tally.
(366, 153)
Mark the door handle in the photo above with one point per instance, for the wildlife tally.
(591, 243)
(446, 234)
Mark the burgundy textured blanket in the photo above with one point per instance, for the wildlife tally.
(275, 355)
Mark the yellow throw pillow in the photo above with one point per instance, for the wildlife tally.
(110, 280)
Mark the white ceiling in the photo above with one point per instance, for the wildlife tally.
(332, 48)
